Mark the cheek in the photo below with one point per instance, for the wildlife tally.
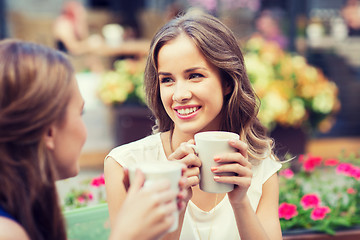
(83, 132)
(166, 97)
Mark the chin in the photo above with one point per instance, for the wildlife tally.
(68, 173)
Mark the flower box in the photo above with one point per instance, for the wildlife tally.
(351, 234)
(88, 223)
(322, 199)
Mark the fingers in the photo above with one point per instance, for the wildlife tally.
(243, 182)
(159, 229)
(138, 180)
(185, 154)
(236, 163)
(242, 178)
(241, 169)
(240, 145)
(240, 157)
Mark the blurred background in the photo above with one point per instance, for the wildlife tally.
(303, 58)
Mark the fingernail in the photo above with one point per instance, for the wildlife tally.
(214, 169)
(216, 178)
(217, 159)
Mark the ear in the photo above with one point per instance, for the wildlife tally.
(227, 89)
(49, 137)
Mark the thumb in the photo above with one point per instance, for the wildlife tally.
(138, 182)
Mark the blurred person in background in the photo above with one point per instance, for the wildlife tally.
(351, 15)
(71, 31)
(268, 26)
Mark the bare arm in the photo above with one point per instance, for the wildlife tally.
(115, 188)
(63, 30)
(265, 223)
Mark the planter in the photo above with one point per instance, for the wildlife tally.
(132, 122)
(351, 234)
(90, 223)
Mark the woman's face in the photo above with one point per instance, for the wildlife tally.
(190, 87)
(69, 136)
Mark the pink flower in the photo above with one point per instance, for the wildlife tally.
(287, 173)
(355, 172)
(287, 210)
(331, 162)
(310, 201)
(81, 199)
(301, 158)
(351, 190)
(344, 168)
(319, 213)
(90, 196)
(311, 162)
(98, 181)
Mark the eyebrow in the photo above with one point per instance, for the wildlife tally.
(186, 71)
(194, 69)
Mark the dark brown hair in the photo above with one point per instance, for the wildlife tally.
(35, 90)
(219, 46)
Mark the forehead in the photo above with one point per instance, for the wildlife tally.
(180, 52)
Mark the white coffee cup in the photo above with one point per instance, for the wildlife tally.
(156, 171)
(208, 145)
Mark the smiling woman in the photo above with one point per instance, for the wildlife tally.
(196, 81)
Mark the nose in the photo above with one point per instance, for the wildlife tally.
(181, 93)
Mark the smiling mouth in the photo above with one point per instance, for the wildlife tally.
(187, 111)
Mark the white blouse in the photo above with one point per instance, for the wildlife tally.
(219, 222)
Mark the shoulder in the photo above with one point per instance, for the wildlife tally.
(11, 230)
(148, 146)
(139, 145)
(266, 168)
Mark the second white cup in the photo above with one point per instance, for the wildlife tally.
(208, 145)
(155, 171)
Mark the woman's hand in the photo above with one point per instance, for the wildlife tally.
(239, 164)
(147, 212)
(186, 155)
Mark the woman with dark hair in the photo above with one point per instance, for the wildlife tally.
(195, 81)
(41, 137)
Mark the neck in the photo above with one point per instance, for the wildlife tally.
(176, 138)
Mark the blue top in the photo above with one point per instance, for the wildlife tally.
(5, 214)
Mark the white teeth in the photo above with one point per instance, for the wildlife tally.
(186, 111)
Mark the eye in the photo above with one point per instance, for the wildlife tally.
(166, 80)
(195, 75)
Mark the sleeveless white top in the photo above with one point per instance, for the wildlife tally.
(220, 221)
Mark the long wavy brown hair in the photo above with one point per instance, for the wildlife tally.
(35, 90)
(219, 46)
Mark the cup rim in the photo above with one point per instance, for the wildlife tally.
(201, 135)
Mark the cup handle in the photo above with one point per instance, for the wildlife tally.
(194, 147)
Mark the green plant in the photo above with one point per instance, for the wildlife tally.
(124, 83)
(323, 196)
(88, 192)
